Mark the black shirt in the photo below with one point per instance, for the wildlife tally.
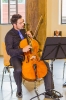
(12, 41)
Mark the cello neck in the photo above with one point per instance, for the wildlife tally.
(29, 42)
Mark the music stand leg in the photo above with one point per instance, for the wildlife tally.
(52, 67)
(37, 94)
(36, 91)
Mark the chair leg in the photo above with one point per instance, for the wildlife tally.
(10, 79)
(4, 71)
(2, 78)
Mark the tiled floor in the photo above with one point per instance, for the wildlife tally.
(28, 87)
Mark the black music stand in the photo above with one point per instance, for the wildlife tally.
(55, 48)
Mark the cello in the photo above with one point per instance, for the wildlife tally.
(32, 67)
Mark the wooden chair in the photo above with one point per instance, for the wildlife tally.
(6, 66)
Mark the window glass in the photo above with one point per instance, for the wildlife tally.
(5, 13)
(63, 13)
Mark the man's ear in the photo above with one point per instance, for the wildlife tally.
(14, 25)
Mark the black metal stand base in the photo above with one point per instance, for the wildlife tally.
(54, 94)
(46, 96)
(37, 95)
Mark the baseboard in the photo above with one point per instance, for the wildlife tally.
(1, 55)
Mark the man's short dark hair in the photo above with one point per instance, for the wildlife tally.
(14, 18)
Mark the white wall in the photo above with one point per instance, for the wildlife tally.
(53, 18)
(52, 22)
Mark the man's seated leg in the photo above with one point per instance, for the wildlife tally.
(17, 64)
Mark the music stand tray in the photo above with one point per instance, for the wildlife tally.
(54, 48)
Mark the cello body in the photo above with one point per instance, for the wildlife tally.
(32, 69)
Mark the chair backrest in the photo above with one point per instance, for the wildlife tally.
(5, 55)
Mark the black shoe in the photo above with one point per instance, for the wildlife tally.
(64, 85)
(19, 95)
(52, 94)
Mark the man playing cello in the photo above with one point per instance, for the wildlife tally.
(12, 40)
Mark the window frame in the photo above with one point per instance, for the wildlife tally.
(61, 13)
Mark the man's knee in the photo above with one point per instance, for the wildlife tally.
(18, 70)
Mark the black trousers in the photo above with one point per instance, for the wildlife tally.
(16, 62)
(48, 79)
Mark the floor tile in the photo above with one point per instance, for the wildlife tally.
(28, 87)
